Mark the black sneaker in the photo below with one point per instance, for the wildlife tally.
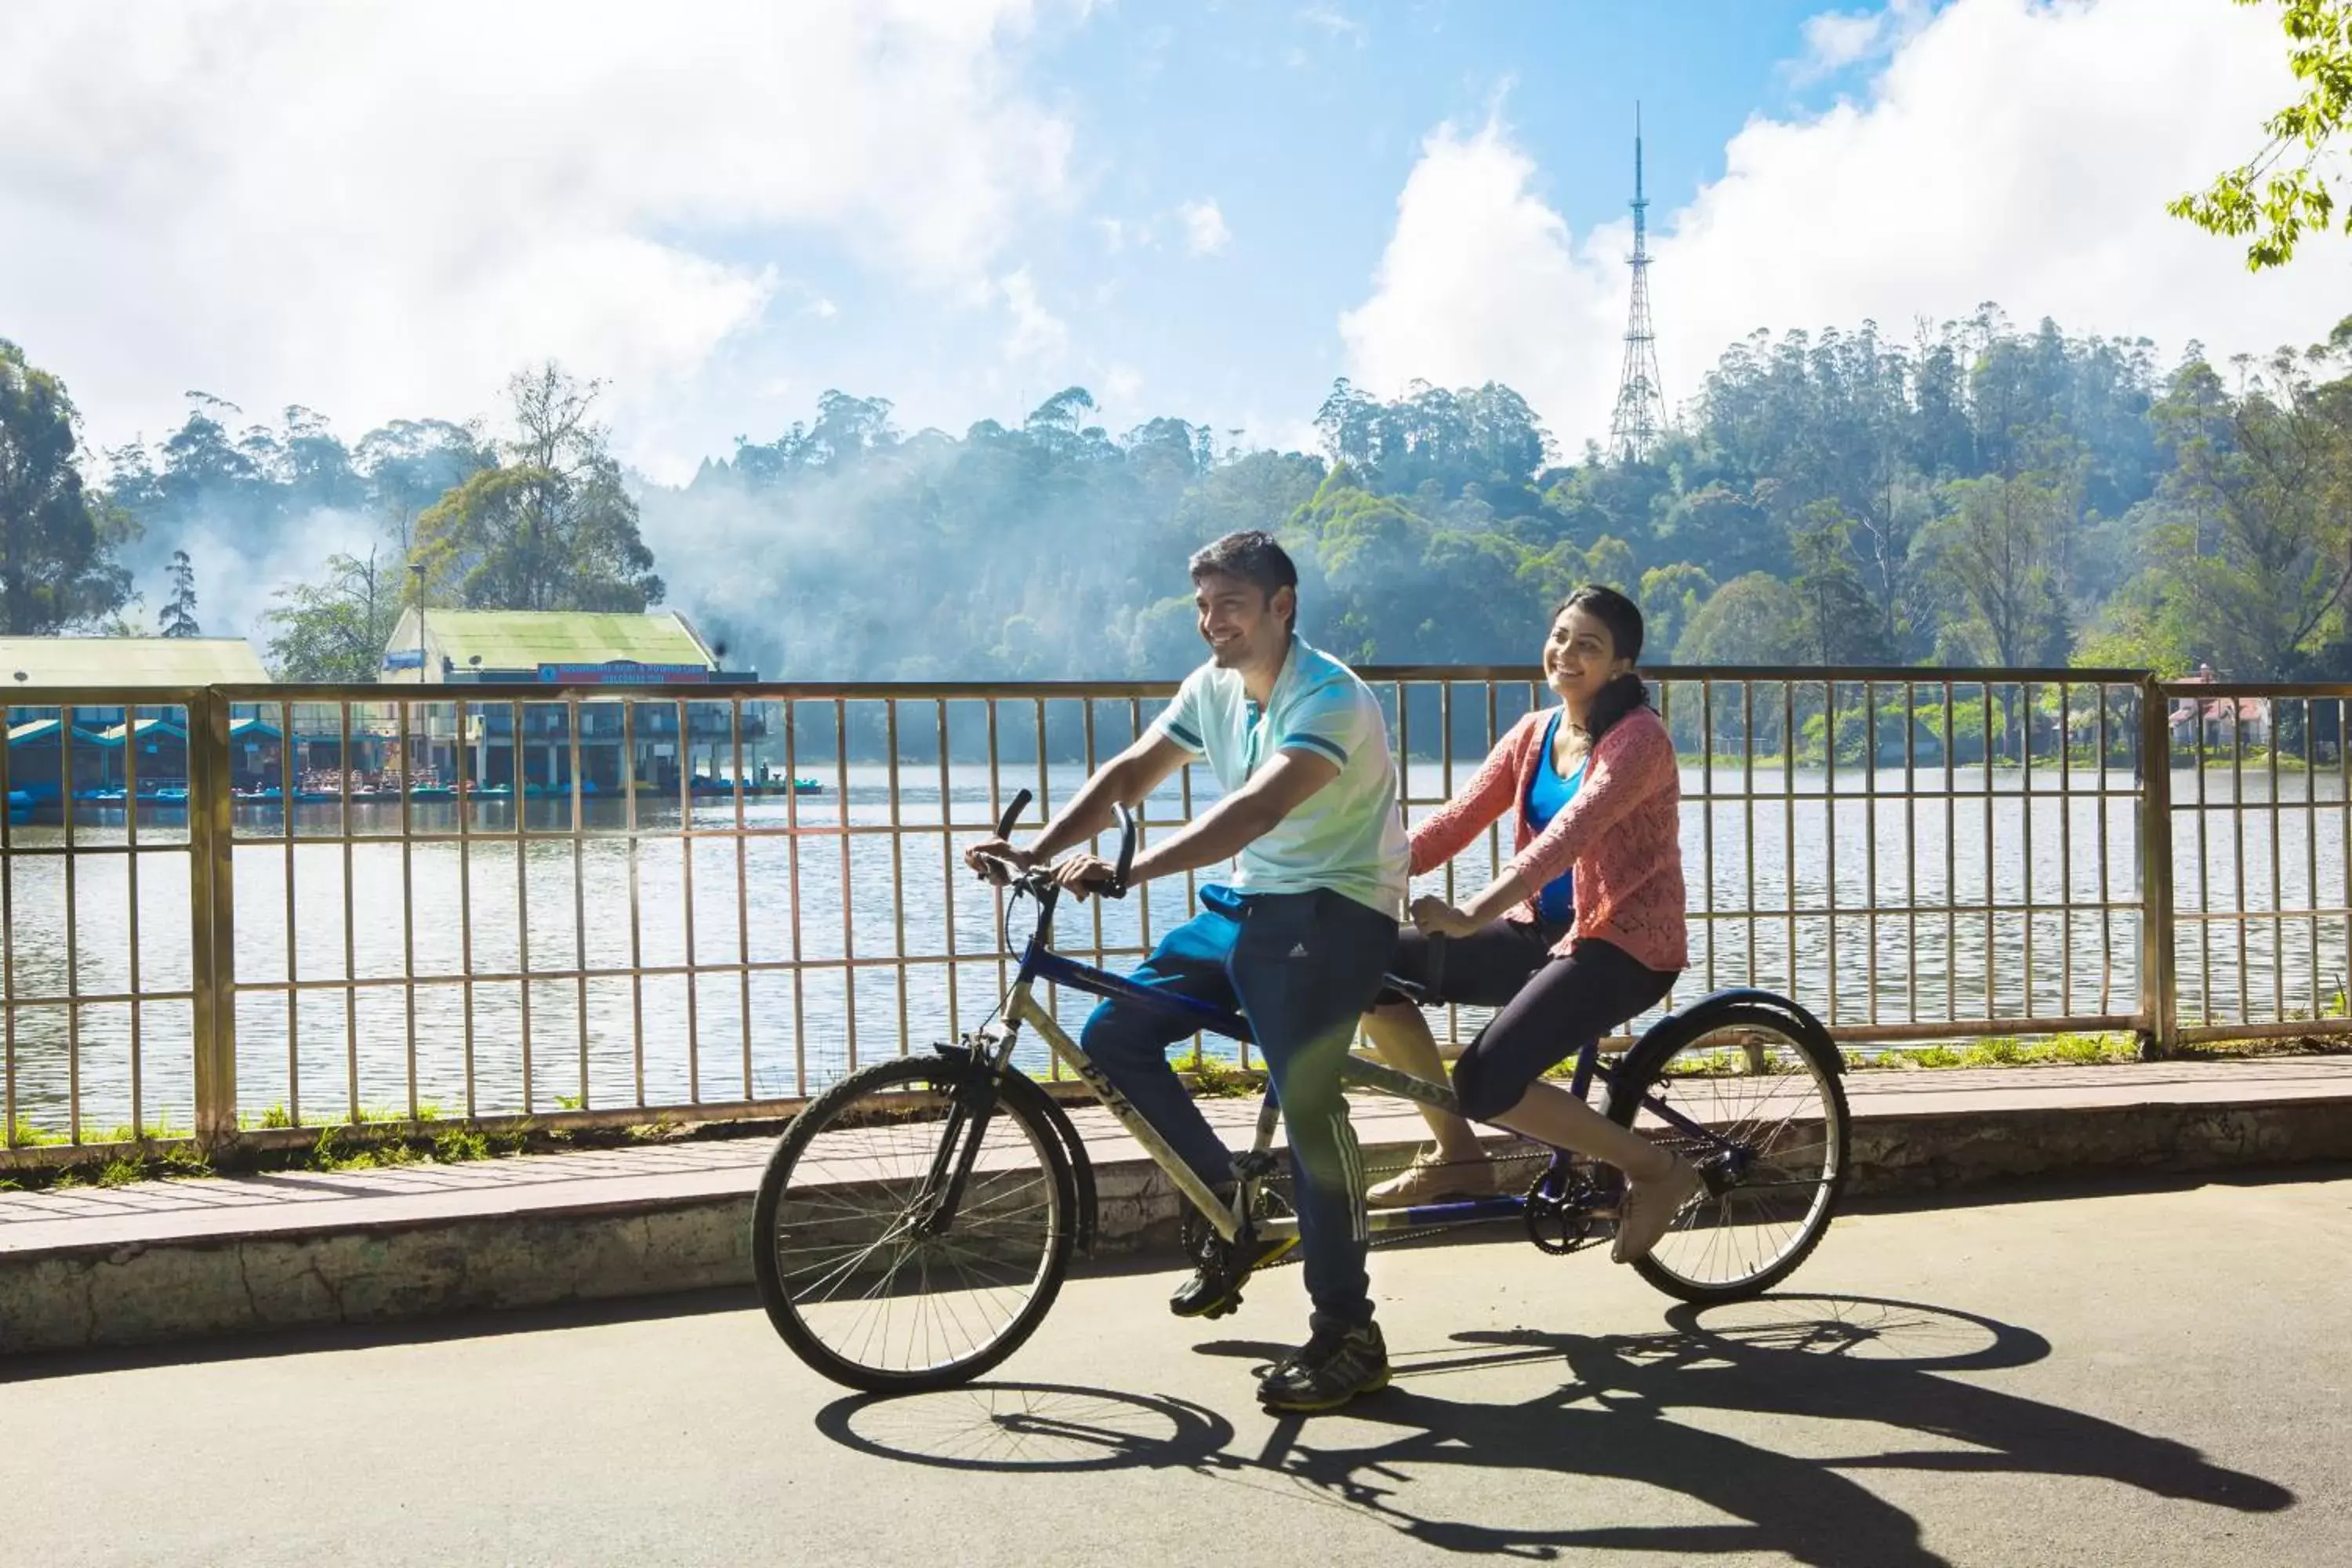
(1216, 1288)
(1333, 1367)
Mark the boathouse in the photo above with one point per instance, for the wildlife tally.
(563, 651)
(110, 744)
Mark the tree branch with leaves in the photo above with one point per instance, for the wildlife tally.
(2281, 193)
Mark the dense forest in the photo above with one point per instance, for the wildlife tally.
(1980, 494)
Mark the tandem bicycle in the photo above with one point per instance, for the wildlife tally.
(915, 1221)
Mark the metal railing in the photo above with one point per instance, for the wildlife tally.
(474, 902)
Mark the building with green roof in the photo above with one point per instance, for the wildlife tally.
(562, 648)
(129, 661)
(109, 745)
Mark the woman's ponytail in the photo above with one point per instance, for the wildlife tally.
(1623, 693)
(1619, 696)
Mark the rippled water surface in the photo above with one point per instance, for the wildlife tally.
(1781, 889)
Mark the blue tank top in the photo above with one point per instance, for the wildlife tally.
(1548, 792)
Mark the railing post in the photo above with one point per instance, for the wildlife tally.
(2159, 996)
(211, 917)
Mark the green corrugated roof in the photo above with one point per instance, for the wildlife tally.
(112, 735)
(525, 639)
(128, 662)
(46, 729)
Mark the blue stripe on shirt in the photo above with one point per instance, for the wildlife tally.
(1331, 749)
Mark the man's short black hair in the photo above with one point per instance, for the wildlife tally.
(1252, 555)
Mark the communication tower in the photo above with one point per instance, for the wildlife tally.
(1641, 411)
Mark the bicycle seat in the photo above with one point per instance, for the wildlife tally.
(1420, 991)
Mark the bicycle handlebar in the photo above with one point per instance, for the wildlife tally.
(1037, 880)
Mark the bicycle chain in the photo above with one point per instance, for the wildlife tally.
(1392, 1238)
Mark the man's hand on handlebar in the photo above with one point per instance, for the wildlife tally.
(997, 861)
(1084, 875)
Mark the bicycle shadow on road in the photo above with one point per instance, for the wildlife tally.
(1837, 1358)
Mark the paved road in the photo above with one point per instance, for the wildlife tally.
(2153, 1378)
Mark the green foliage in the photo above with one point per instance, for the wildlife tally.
(179, 618)
(460, 1144)
(330, 1154)
(552, 529)
(1753, 619)
(1670, 598)
(1841, 624)
(335, 629)
(2058, 1050)
(1983, 494)
(1214, 1079)
(56, 541)
(153, 1132)
(26, 1135)
(2268, 198)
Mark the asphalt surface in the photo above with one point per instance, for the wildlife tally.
(2144, 1378)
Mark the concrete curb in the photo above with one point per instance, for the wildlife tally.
(85, 1296)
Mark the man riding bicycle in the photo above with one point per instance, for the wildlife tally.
(1297, 940)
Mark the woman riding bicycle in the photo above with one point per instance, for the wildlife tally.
(1582, 930)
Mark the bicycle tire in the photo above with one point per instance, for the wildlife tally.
(885, 1146)
(1644, 1069)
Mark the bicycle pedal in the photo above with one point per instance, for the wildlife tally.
(1225, 1308)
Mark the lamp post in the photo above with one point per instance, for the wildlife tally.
(417, 570)
(408, 763)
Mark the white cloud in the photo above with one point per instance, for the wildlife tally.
(2012, 150)
(1837, 39)
(1481, 281)
(1205, 233)
(1037, 332)
(382, 207)
(1334, 22)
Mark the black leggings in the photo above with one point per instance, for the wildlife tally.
(1564, 1004)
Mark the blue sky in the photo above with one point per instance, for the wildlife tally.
(384, 208)
(1300, 124)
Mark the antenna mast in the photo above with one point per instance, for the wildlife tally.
(1640, 415)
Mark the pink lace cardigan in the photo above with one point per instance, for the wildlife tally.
(1622, 832)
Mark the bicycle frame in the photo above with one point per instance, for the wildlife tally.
(1039, 962)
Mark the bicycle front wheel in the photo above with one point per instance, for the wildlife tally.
(860, 1271)
(1773, 1151)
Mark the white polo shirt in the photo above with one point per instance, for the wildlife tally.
(1349, 836)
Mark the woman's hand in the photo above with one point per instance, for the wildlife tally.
(1438, 918)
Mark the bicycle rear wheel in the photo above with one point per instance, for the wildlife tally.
(854, 1271)
(1776, 1099)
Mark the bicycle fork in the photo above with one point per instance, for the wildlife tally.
(973, 1105)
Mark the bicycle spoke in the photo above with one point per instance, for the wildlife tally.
(1776, 1126)
(863, 1263)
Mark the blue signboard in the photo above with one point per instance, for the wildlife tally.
(404, 659)
(622, 672)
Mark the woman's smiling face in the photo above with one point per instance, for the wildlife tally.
(1580, 657)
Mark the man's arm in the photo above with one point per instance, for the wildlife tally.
(1240, 819)
(1125, 780)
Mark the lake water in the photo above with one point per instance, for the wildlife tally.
(1780, 886)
